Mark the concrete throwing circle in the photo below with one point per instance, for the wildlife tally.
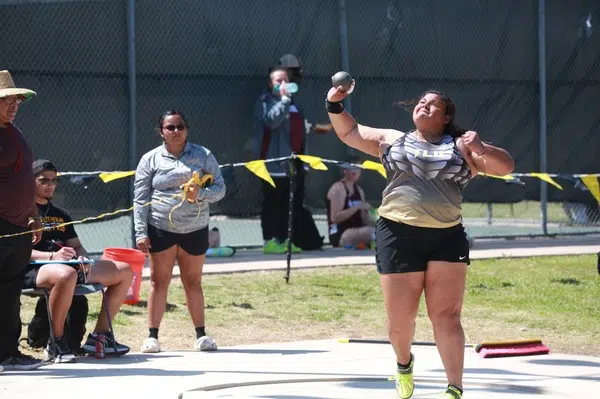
(351, 388)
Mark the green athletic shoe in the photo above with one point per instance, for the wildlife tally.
(404, 380)
(451, 393)
(295, 249)
(273, 247)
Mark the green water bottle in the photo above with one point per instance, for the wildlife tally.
(291, 88)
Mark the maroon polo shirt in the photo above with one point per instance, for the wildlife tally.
(17, 185)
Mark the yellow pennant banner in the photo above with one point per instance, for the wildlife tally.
(376, 166)
(110, 176)
(591, 182)
(506, 177)
(314, 162)
(545, 177)
(260, 169)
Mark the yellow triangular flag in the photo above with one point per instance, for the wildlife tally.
(259, 168)
(591, 182)
(110, 176)
(545, 177)
(376, 166)
(314, 162)
(506, 177)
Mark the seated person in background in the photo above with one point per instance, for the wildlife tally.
(348, 212)
(62, 244)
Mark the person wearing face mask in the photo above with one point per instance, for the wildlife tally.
(279, 131)
(292, 65)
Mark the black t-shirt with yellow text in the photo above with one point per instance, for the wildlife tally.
(53, 240)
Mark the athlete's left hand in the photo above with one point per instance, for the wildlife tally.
(472, 141)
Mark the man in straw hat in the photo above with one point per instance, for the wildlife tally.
(18, 214)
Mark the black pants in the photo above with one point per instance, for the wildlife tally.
(275, 209)
(15, 253)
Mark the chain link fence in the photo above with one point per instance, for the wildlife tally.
(573, 73)
(209, 59)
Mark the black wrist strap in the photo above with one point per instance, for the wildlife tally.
(334, 107)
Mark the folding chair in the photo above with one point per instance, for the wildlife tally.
(80, 289)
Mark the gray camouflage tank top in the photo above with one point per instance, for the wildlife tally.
(424, 182)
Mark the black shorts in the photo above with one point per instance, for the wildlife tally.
(402, 248)
(32, 273)
(194, 243)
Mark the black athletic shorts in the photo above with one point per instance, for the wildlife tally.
(33, 270)
(402, 248)
(194, 243)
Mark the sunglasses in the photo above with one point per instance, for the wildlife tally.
(171, 128)
(44, 181)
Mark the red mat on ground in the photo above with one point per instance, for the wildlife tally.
(514, 350)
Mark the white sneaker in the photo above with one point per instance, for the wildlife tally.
(150, 345)
(205, 344)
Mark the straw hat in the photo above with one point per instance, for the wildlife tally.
(7, 87)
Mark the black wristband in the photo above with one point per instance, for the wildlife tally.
(334, 107)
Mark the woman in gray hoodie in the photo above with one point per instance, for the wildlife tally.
(170, 228)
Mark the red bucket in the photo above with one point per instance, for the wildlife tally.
(136, 259)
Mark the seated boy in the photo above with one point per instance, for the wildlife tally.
(62, 244)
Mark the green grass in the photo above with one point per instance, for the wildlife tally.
(553, 298)
(529, 210)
